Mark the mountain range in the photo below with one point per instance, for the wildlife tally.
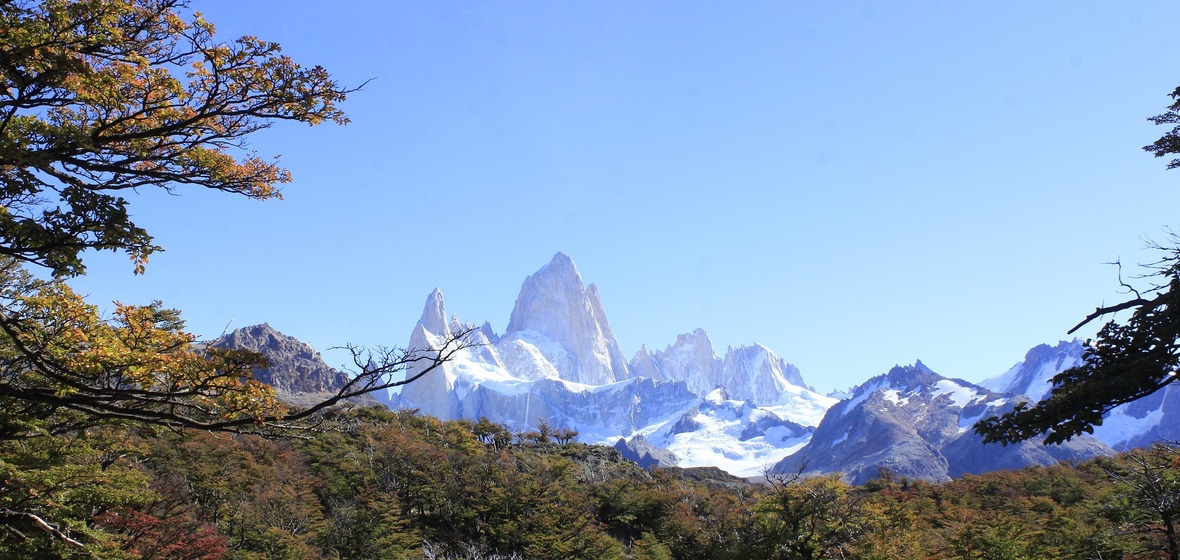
(747, 411)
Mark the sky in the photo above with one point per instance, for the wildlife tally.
(854, 185)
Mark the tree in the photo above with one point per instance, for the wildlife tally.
(99, 98)
(1126, 361)
(810, 518)
(1169, 143)
(51, 486)
(105, 96)
(1149, 504)
(63, 367)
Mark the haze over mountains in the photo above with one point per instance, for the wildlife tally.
(746, 410)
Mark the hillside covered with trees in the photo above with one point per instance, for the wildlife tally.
(395, 485)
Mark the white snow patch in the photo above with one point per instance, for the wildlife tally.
(708, 447)
(716, 440)
(967, 423)
(960, 395)
(808, 410)
(894, 396)
(1119, 427)
(861, 396)
(841, 439)
(1043, 380)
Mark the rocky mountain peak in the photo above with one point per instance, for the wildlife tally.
(434, 314)
(758, 374)
(917, 424)
(911, 377)
(293, 366)
(565, 320)
(1033, 376)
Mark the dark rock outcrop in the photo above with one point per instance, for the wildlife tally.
(293, 367)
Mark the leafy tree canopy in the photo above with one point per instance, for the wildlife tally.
(99, 97)
(103, 96)
(1169, 143)
(1126, 361)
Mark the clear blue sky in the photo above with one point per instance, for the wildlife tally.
(854, 185)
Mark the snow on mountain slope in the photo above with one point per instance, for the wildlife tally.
(690, 359)
(917, 424)
(735, 436)
(559, 362)
(1134, 424)
(1032, 377)
(753, 373)
(757, 374)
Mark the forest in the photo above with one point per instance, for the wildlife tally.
(397, 485)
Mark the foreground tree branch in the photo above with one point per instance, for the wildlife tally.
(1125, 362)
(57, 355)
(10, 517)
(99, 98)
(102, 97)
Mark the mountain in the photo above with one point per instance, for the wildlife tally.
(747, 412)
(1136, 424)
(559, 361)
(564, 319)
(539, 372)
(295, 369)
(1032, 377)
(293, 366)
(753, 373)
(690, 359)
(917, 424)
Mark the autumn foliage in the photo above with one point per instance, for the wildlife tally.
(103, 96)
(403, 486)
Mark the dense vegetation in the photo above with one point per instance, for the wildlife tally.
(400, 485)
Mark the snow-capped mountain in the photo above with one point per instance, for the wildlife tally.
(1033, 376)
(917, 424)
(559, 361)
(690, 359)
(753, 373)
(744, 412)
(563, 319)
(1135, 424)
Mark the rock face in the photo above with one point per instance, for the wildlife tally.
(512, 381)
(293, 367)
(564, 319)
(645, 454)
(753, 373)
(431, 394)
(757, 374)
(690, 359)
(917, 424)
